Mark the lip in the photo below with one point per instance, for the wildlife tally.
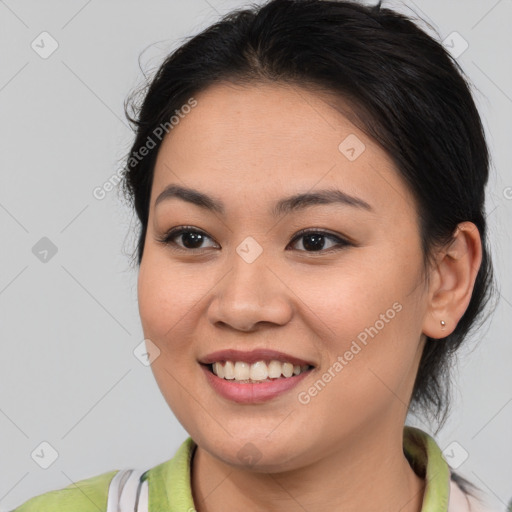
(253, 356)
(248, 393)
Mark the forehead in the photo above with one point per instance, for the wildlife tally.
(260, 140)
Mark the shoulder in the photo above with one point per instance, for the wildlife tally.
(87, 495)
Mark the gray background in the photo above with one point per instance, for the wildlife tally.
(69, 325)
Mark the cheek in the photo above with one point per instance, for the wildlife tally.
(371, 313)
(371, 287)
(367, 366)
(167, 296)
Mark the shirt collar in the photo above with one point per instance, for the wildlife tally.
(170, 487)
(427, 460)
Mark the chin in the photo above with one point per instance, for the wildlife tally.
(257, 452)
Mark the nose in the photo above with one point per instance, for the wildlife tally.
(250, 295)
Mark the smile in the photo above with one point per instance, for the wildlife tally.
(258, 372)
(255, 376)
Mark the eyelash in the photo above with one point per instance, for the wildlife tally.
(166, 239)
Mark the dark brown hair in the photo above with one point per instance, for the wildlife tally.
(407, 92)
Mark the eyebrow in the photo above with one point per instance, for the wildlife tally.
(283, 206)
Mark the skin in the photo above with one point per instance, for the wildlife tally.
(249, 147)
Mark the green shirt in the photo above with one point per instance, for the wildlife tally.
(170, 490)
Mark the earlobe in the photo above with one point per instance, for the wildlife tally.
(453, 280)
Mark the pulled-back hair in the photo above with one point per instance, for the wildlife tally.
(404, 90)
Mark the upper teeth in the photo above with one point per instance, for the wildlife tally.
(257, 371)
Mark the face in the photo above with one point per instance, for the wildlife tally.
(330, 286)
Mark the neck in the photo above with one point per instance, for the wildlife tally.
(368, 469)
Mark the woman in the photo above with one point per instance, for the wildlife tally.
(309, 177)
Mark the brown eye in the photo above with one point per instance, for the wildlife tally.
(187, 238)
(315, 240)
(191, 239)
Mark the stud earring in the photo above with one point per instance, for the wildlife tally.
(443, 324)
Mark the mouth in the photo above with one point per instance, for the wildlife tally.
(259, 365)
(256, 376)
(261, 371)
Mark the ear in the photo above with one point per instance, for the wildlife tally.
(452, 281)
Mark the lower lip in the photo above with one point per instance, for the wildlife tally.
(247, 393)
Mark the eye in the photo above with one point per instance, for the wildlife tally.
(191, 238)
(314, 240)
